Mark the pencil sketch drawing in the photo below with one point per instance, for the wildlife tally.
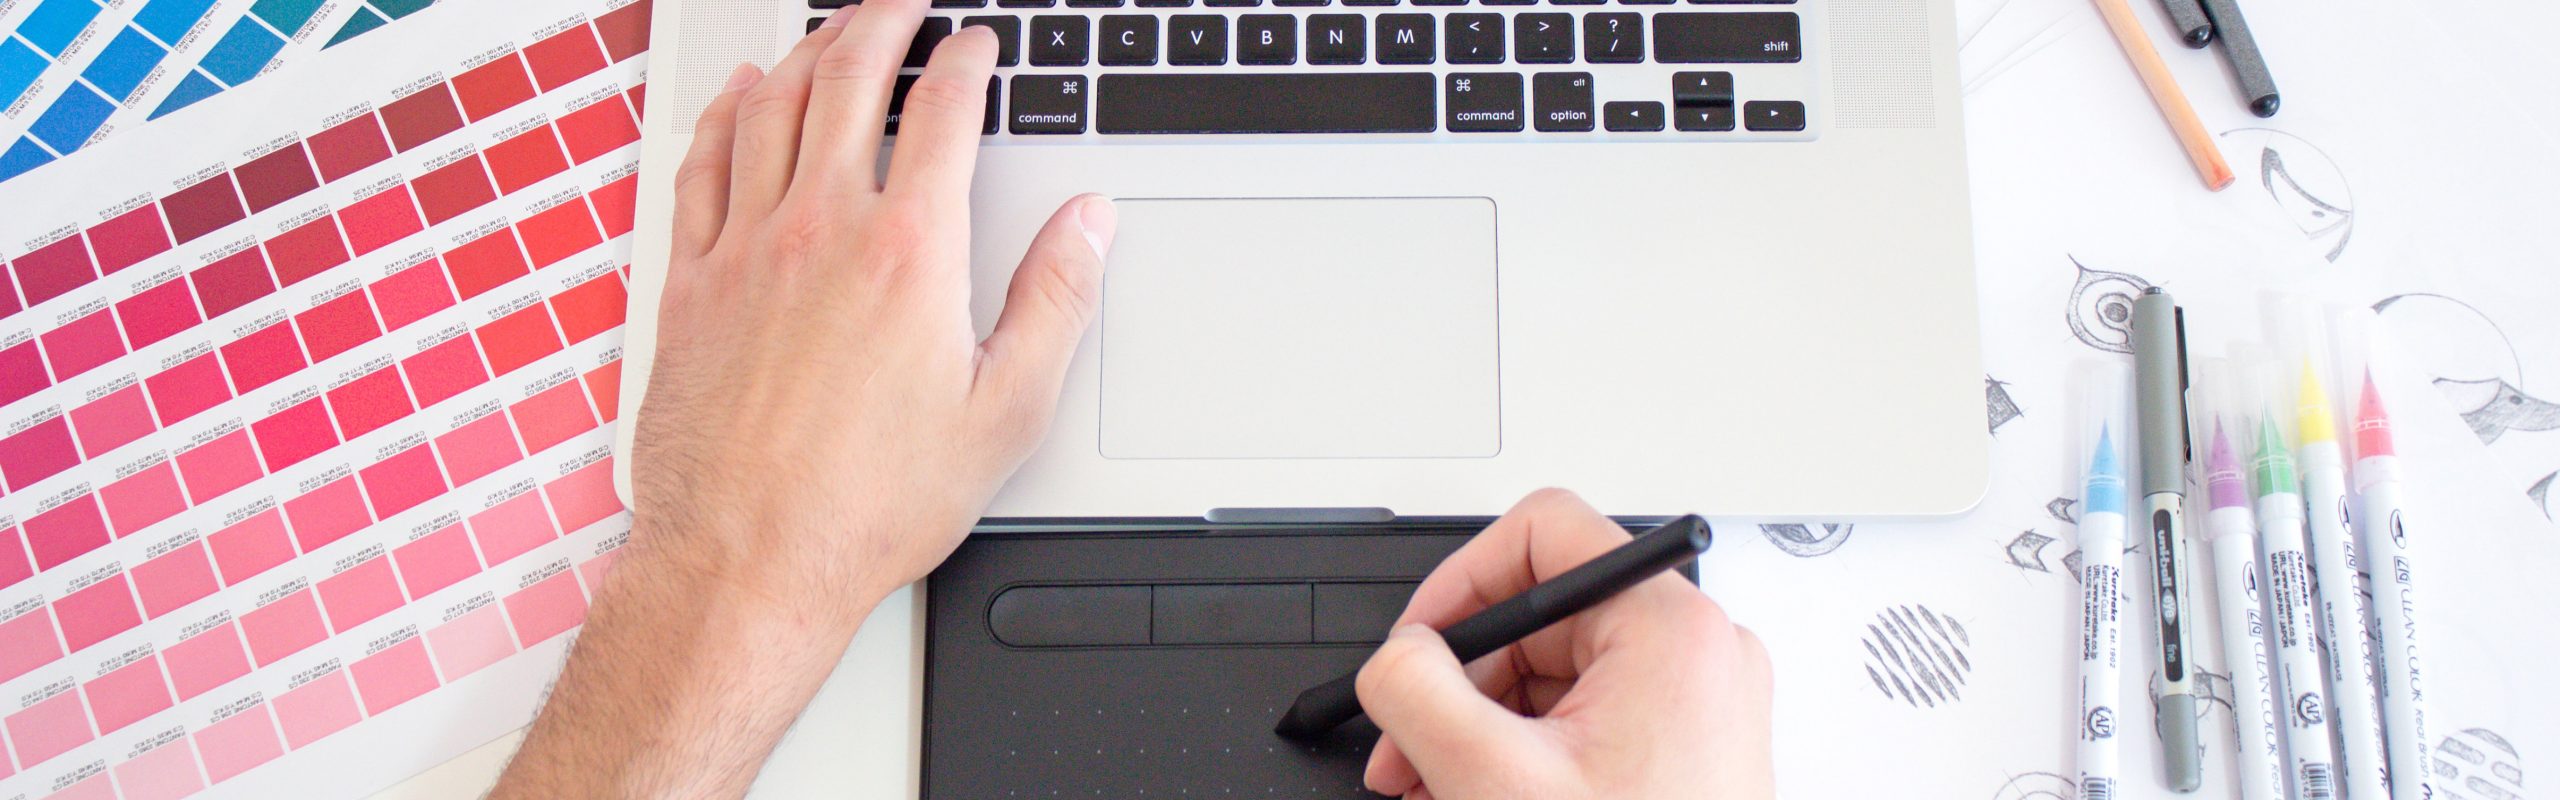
(1807, 541)
(2493, 407)
(2026, 552)
(2037, 786)
(2101, 309)
(2213, 691)
(2065, 509)
(1918, 656)
(2478, 764)
(2304, 182)
(2541, 494)
(2001, 408)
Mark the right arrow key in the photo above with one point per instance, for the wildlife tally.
(1773, 115)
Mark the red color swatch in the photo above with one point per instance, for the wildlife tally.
(394, 676)
(37, 453)
(566, 56)
(440, 372)
(143, 498)
(625, 30)
(337, 326)
(203, 208)
(238, 743)
(284, 627)
(65, 532)
(386, 217)
(49, 729)
(435, 561)
(184, 390)
(360, 594)
(154, 314)
(171, 581)
(233, 281)
(92, 614)
(27, 642)
(512, 528)
(327, 514)
(276, 177)
(605, 385)
(529, 157)
(128, 694)
(308, 250)
(401, 482)
(548, 608)
(597, 129)
(615, 204)
(420, 118)
(485, 263)
(584, 497)
(353, 145)
(450, 190)
(255, 545)
(477, 448)
(552, 416)
(493, 87)
(219, 466)
(112, 421)
(129, 238)
(559, 232)
(316, 709)
(260, 358)
(471, 641)
(411, 294)
(370, 402)
(208, 660)
(590, 308)
(54, 269)
(287, 437)
(82, 345)
(518, 339)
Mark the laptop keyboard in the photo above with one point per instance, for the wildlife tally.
(1436, 70)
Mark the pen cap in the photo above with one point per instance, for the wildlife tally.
(2270, 436)
(2362, 366)
(2103, 422)
(2308, 389)
(2222, 434)
(2159, 385)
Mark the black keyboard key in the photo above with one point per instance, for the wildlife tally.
(934, 30)
(1439, 2)
(1542, 38)
(1475, 39)
(1509, 2)
(1564, 101)
(1702, 118)
(1740, 2)
(1303, 102)
(1008, 30)
(1773, 115)
(1025, 3)
(1406, 39)
(994, 110)
(907, 83)
(1577, 2)
(1060, 40)
(1096, 3)
(1702, 88)
(1735, 38)
(1195, 40)
(959, 3)
(1129, 40)
(1302, 3)
(1267, 40)
(1164, 3)
(1632, 115)
(829, 5)
(1369, 2)
(1485, 102)
(1231, 3)
(1616, 37)
(814, 22)
(1047, 104)
(1645, 2)
(1334, 39)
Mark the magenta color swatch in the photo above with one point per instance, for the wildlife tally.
(260, 358)
(188, 389)
(512, 528)
(445, 370)
(367, 403)
(156, 313)
(299, 254)
(49, 729)
(207, 661)
(82, 345)
(358, 595)
(238, 742)
(128, 694)
(377, 221)
(394, 676)
(112, 421)
(284, 627)
(353, 145)
(317, 709)
(14, 566)
(337, 326)
(22, 370)
(175, 579)
(51, 270)
(581, 498)
(166, 773)
(327, 514)
(129, 238)
(402, 481)
(101, 610)
(548, 608)
(289, 436)
(475, 640)
(435, 561)
(38, 453)
(219, 466)
(552, 416)
(411, 294)
(478, 448)
(143, 498)
(66, 532)
(27, 642)
(236, 280)
(255, 545)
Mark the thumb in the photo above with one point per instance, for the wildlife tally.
(1453, 736)
(1055, 293)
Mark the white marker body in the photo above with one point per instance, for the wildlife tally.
(2300, 686)
(2336, 572)
(2244, 646)
(2404, 711)
(2101, 650)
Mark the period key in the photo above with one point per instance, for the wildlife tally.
(1047, 104)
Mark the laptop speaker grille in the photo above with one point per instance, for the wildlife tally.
(1880, 57)
(717, 35)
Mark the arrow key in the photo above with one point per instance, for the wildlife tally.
(1773, 115)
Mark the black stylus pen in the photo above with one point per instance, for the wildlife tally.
(1327, 706)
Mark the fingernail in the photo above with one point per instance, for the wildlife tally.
(838, 19)
(1101, 221)
(740, 77)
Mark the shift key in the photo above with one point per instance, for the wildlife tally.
(1727, 38)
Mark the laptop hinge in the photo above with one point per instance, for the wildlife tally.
(1300, 516)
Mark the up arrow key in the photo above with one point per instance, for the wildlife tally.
(1773, 115)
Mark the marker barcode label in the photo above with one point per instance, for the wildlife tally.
(2317, 783)
(2096, 788)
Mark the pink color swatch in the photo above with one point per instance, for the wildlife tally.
(120, 417)
(94, 787)
(219, 466)
(327, 514)
(583, 497)
(435, 561)
(287, 437)
(175, 579)
(476, 640)
(66, 532)
(39, 452)
(317, 709)
(14, 566)
(478, 448)
(125, 696)
(208, 660)
(284, 627)
(92, 614)
(402, 481)
(511, 528)
(393, 676)
(548, 608)
(28, 642)
(255, 545)
(49, 728)
(552, 416)
(143, 498)
(166, 773)
(360, 594)
(238, 742)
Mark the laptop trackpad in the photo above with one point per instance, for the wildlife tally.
(1301, 328)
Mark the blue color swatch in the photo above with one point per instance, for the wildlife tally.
(396, 9)
(19, 66)
(123, 65)
(55, 23)
(76, 114)
(20, 157)
(363, 20)
(241, 52)
(285, 15)
(171, 19)
(195, 86)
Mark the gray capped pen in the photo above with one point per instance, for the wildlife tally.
(2195, 29)
(2248, 66)
(2160, 402)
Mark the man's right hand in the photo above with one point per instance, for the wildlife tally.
(1654, 693)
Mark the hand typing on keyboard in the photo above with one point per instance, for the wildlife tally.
(1654, 693)
(821, 426)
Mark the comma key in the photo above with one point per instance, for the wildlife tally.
(1484, 102)
(1047, 104)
